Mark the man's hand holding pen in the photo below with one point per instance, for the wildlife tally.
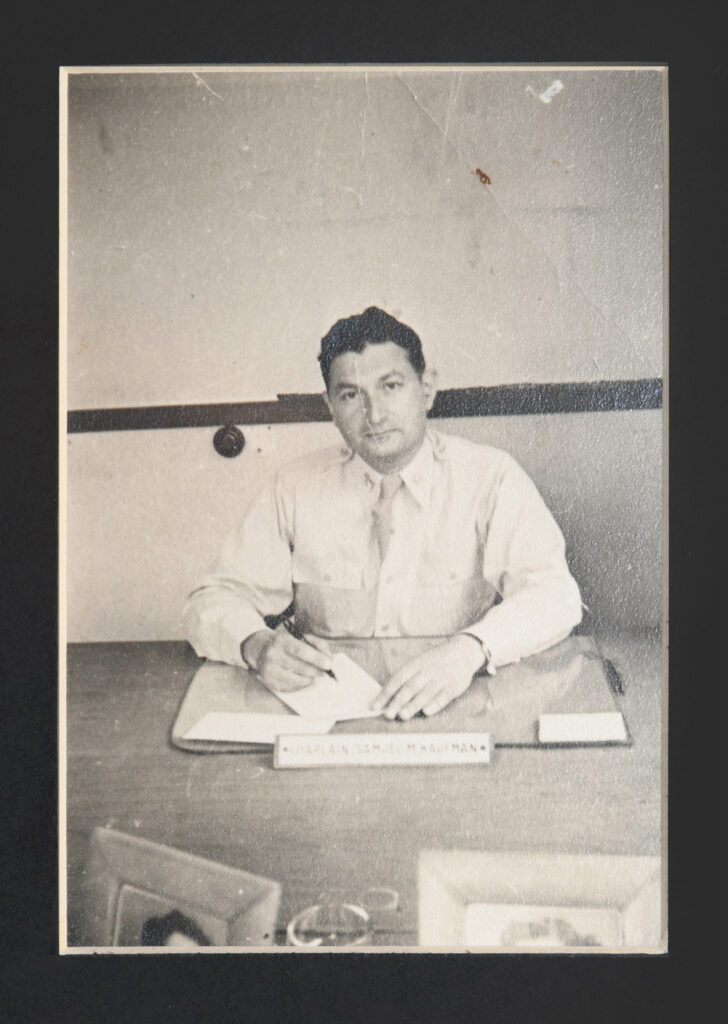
(284, 659)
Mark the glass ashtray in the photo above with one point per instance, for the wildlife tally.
(330, 924)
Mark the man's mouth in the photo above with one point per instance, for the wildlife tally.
(379, 435)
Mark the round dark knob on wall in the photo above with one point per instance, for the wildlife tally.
(228, 441)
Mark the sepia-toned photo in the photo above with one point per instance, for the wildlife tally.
(362, 512)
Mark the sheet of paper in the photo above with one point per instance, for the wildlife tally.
(348, 696)
(241, 727)
(602, 727)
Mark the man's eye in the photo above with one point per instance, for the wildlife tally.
(392, 385)
(346, 396)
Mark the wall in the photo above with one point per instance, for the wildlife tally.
(219, 222)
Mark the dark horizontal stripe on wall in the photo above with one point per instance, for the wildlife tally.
(529, 399)
(503, 400)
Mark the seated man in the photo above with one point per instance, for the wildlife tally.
(403, 532)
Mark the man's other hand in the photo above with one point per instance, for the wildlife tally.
(432, 680)
(284, 663)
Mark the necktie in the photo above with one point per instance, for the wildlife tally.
(383, 511)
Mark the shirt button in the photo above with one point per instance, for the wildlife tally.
(385, 628)
(389, 579)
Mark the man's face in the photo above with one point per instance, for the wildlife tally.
(379, 404)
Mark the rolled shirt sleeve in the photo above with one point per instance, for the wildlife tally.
(524, 560)
(252, 578)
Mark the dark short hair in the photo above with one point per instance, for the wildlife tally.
(373, 325)
(157, 930)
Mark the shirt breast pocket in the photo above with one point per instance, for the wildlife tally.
(445, 567)
(450, 593)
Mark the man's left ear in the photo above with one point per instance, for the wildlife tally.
(429, 386)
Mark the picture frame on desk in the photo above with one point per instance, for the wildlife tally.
(536, 902)
(145, 896)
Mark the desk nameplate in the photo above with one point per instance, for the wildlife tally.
(381, 748)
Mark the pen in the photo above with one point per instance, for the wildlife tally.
(296, 632)
(615, 680)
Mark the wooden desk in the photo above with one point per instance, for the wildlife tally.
(341, 829)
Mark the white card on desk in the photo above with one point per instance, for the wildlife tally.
(349, 695)
(602, 727)
(241, 727)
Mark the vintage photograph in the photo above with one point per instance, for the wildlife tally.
(362, 512)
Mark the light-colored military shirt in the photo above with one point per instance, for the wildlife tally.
(473, 549)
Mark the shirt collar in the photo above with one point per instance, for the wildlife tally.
(417, 474)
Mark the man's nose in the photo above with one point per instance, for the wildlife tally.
(375, 408)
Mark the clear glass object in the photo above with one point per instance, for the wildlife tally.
(330, 924)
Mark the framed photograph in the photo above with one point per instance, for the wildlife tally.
(144, 894)
(530, 901)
